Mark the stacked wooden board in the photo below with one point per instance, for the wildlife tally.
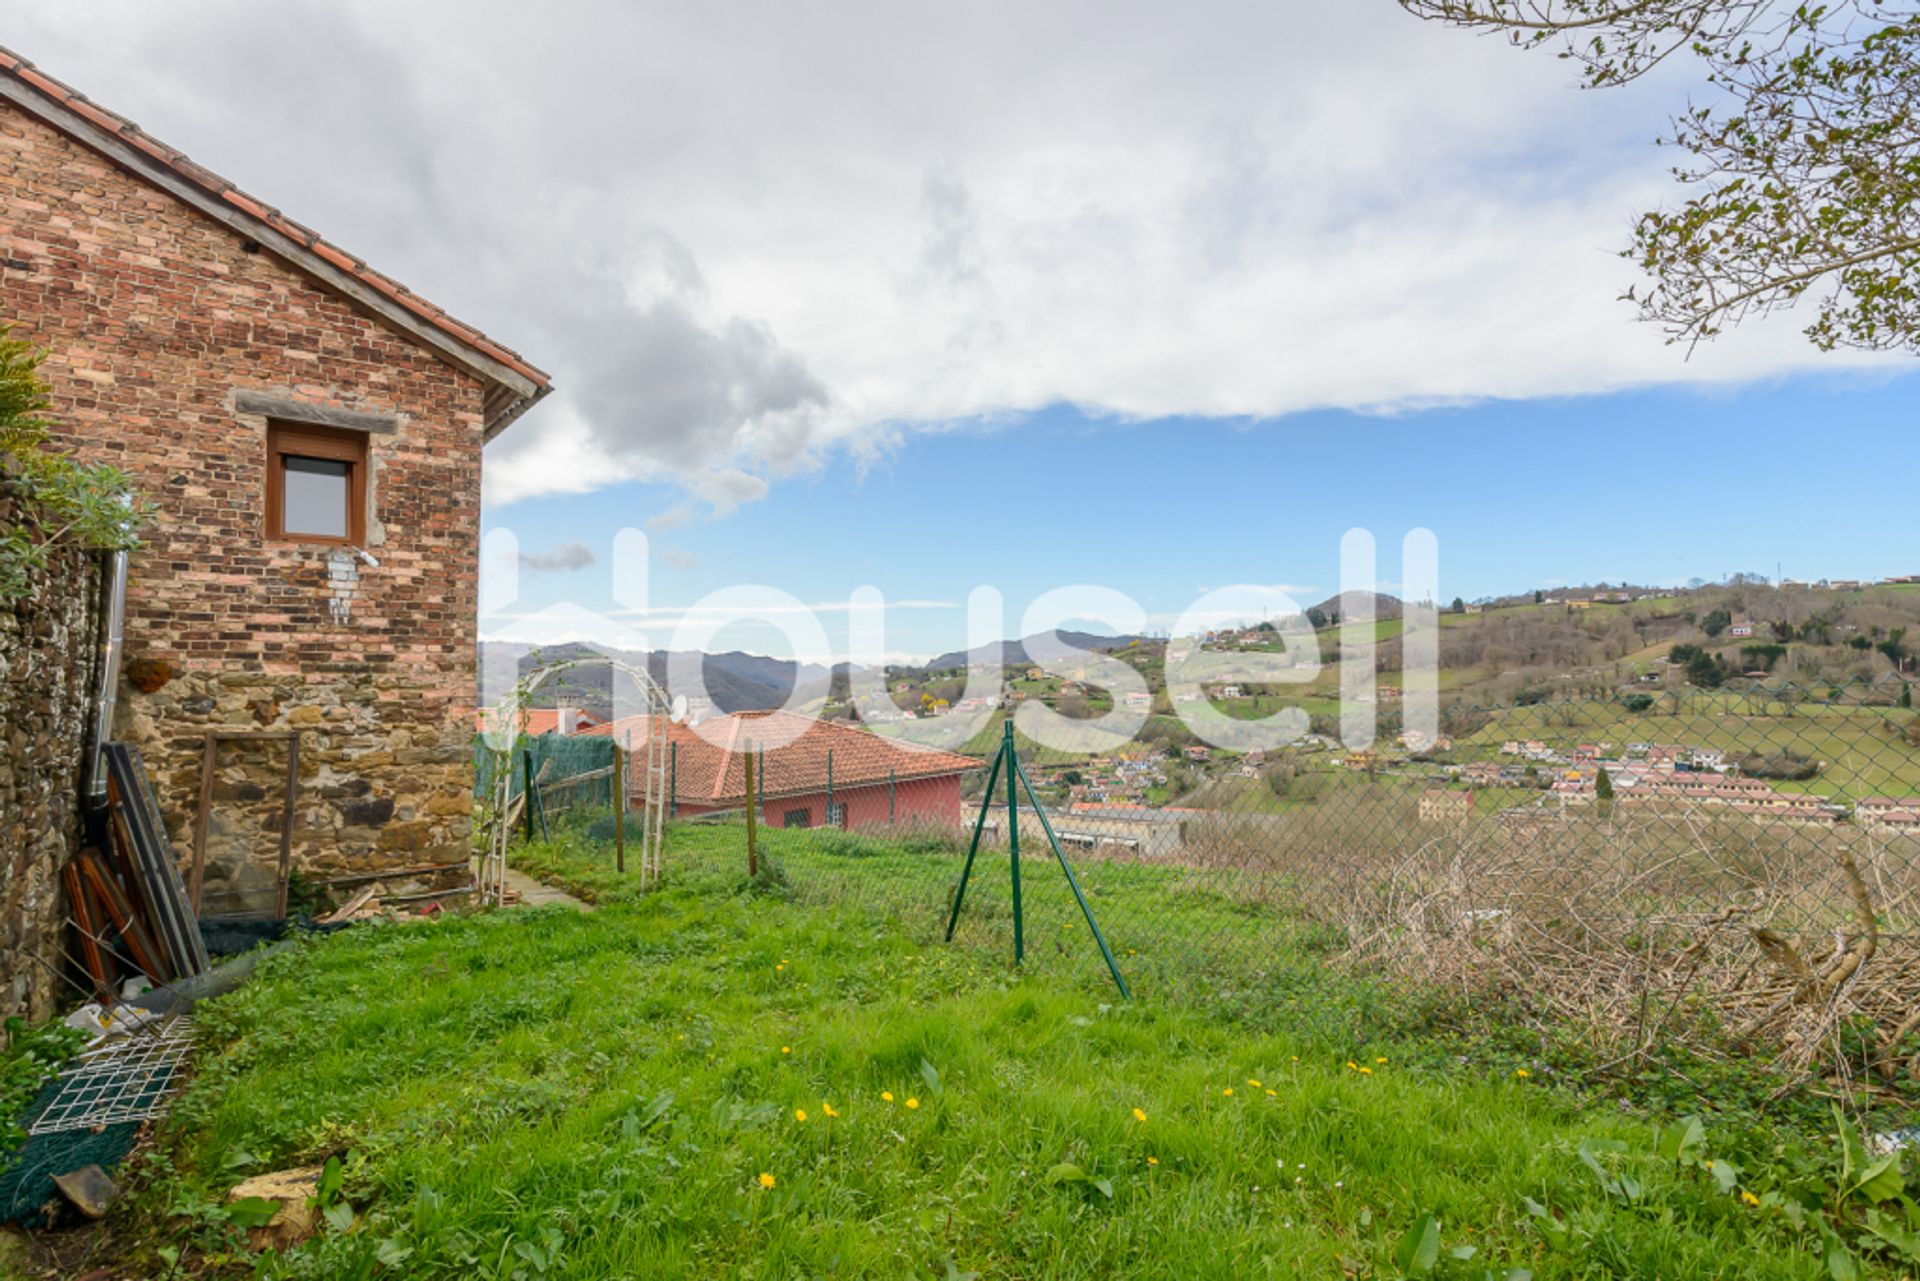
(127, 901)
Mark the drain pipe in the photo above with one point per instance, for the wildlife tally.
(112, 639)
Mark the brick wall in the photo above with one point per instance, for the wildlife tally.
(47, 648)
(157, 320)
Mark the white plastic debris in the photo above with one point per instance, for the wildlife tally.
(1890, 1141)
(101, 1023)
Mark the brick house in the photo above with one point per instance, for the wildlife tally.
(875, 779)
(309, 434)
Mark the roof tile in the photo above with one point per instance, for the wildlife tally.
(715, 773)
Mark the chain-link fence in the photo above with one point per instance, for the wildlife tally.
(1735, 866)
(570, 773)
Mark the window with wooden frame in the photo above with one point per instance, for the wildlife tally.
(316, 484)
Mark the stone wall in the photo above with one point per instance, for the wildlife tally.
(168, 332)
(48, 642)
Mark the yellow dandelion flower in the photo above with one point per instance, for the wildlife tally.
(766, 1180)
(1749, 1198)
(1272, 1095)
(1255, 1084)
(786, 1049)
(1366, 1071)
(799, 1114)
(913, 1103)
(886, 1096)
(826, 1109)
(1153, 1160)
(1228, 1091)
(1522, 1072)
(1139, 1115)
(1352, 1066)
(1381, 1059)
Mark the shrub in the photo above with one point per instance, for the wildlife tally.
(1786, 765)
(65, 501)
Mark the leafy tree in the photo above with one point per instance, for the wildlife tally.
(1906, 696)
(1895, 646)
(1316, 617)
(1860, 643)
(1637, 702)
(1603, 785)
(1715, 622)
(1458, 607)
(1703, 669)
(1802, 173)
(66, 501)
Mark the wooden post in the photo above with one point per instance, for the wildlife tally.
(209, 762)
(753, 854)
(619, 810)
(526, 759)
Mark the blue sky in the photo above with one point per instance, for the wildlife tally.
(1658, 486)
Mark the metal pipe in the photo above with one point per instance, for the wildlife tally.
(112, 641)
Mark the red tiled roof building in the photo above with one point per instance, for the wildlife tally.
(874, 780)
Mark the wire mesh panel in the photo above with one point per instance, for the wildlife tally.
(127, 1078)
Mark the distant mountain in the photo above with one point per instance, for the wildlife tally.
(1014, 653)
(736, 682)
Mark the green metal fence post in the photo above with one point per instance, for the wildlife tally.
(973, 847)
(1113, 967)
(1013, 840)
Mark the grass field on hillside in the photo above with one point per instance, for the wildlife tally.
(717, 1079)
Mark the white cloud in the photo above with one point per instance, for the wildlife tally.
(741, 245)
(677, 558)
(678, 516)
(564, 557)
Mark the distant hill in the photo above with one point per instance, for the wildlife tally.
(1013, 653)
(1345, 603)
(737, 682)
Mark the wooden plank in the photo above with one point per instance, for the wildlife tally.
(203, 817)
(140, 944)
(85, 922)
(619, 822)
(286, 827)
(389, 874)
(346, 910)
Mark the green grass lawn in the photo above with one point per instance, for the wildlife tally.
(722, 1080)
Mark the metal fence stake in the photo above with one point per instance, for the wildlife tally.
(973, 847)
(1013, 840)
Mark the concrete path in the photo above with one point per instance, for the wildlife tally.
(539, 894)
